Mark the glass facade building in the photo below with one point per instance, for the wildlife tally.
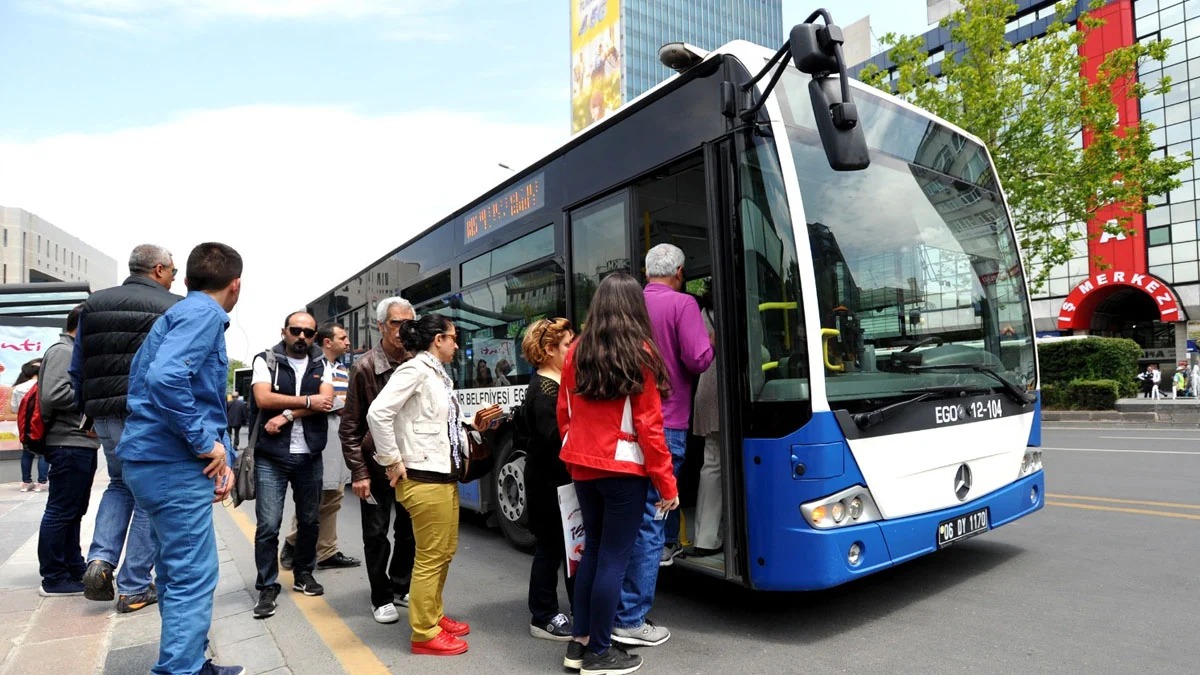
(707, 24)
(1144, 286)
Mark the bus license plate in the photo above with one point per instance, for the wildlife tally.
(961, 527)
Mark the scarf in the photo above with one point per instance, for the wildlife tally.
(453, 413)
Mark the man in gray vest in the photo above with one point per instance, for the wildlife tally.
(112, 327)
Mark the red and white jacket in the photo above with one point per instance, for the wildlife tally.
(621, 436)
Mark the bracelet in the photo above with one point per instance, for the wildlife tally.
(308, 401)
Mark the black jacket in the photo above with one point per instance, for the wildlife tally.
(283, 381)
(113, 325)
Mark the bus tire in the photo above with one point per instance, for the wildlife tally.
(509, 485)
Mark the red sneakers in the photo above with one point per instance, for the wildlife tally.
(444, 644)
(455, 628)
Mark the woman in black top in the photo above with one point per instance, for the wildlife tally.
(545, 347)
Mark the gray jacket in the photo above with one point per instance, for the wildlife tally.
(58, 398)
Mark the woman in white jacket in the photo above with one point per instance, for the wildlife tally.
(420, 441)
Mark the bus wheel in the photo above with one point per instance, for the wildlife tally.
(511, 510)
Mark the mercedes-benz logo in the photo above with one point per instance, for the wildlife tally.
(962, 482)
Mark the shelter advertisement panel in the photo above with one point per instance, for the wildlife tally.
(596, 56)
(18, 344)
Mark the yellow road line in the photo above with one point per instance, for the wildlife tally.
(355, 656)
(1144, 512)
(1080, 498)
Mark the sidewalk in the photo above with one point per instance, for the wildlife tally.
(1138, 413)
(73, 636)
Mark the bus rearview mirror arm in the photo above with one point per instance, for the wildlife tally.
(817, 50)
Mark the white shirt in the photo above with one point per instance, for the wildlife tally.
(297, 446)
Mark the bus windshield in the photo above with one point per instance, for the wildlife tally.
(918, 279)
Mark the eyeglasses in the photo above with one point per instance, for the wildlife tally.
(297, 331)
(174, 270)
(452, 336)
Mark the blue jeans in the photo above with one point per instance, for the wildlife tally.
(177, 499)
(272, 477)
(637, 593)
(27, 458)
(118, 515)
(612, 514)
(71, 473)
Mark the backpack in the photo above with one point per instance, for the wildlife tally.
(31, 426)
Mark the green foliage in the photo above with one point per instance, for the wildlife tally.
(1094, 358)
(234, 364)
(1093, 394)
(1028, 103)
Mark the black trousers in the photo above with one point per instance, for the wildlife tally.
(549, 553)
(235, 436)
(388, 578)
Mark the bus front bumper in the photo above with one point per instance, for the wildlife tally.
(807, 559)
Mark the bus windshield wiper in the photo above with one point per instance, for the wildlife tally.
(1014, 391)
(870, 419)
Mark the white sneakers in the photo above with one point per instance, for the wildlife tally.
(386, 613)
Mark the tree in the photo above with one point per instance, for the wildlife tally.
(234, 364)
(1029, 104)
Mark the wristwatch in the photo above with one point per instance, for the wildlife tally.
(288, 414)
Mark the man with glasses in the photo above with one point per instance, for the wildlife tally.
(389, 572)
(117, 321)
(293, 391)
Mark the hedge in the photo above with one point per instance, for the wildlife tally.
(1091, 359)
(1093, 394)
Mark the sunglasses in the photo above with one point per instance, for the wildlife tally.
(297, 331)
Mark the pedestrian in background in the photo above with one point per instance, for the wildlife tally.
(25, 381)
(706, 423)
(610, 415)
(235, 412)
(389, 568)
(420, 443)
(71, 451)
(112, 327)
(545, 347)
(173, 452)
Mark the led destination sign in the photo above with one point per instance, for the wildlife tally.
(504, 208)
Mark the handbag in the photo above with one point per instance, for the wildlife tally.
(477, 461)
(243, 468)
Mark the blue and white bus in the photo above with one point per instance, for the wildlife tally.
(878, 376)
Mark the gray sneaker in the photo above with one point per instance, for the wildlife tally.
(645, 635)
(668, 554)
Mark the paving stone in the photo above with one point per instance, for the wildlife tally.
(140, 628)
(230, 604)
(131, 660)
(70, 656)
(280, 671)
(236, 628)
(22, 600)
(67, 618)
(256, 655)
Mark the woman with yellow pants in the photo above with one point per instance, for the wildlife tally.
(419, 439)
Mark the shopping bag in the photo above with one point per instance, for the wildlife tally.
(572, 522)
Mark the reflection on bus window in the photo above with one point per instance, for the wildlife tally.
(598, 248)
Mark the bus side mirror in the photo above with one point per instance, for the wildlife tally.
(817, 50)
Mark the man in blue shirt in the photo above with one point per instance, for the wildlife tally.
(173, 451)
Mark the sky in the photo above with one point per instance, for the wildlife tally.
(313, 136)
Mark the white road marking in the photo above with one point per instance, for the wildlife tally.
(1131, 452)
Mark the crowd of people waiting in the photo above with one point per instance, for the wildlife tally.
(142, 373)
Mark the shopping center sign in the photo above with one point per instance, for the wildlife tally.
(1076, 310)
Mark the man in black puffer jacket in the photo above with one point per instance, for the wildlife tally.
(114, 323)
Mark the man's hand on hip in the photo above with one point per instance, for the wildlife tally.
(217, 457)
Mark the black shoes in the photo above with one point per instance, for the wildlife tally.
(287, 556)
(338, 560)
(574, 657)
(98, 581)
(266, 602)
(615, 661)
(306, 584)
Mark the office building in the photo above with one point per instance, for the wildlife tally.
(614, 43)
(1146, 285)
(33, 250)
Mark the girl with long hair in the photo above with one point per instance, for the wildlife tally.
(610, 415)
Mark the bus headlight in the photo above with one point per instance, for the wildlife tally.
(1031, 462)
(852, 506)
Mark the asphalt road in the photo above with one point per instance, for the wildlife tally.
(1103, 580)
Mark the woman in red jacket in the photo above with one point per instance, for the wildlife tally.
(610, 416)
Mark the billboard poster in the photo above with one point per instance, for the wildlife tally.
(18, 344)
(596, 55)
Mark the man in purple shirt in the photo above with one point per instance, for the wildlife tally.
(687, 351)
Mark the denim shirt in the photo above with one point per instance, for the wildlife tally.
(177, 386)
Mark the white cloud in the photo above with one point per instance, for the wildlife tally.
(308, 196)
(286, 9)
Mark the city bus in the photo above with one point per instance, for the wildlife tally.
(874, 343)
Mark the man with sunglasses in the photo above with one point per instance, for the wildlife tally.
(117, 321)
(292, 392)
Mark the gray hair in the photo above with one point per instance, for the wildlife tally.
(381, 310)
(663, 260)
(145, 256)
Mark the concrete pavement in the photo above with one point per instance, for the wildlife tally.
(73, 635)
